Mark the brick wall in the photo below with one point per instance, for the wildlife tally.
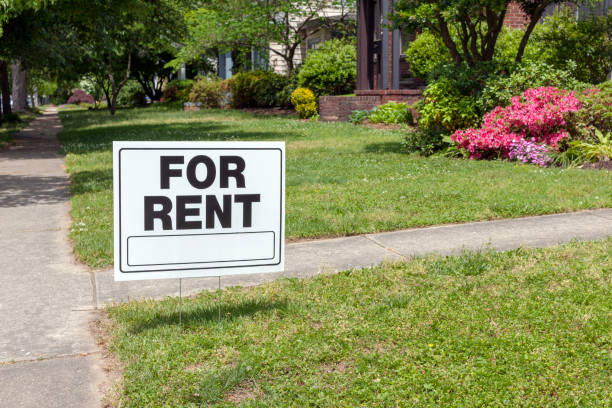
(515, 18)
(334, 108)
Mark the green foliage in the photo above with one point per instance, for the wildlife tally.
(268, 89)
(131, 95)
(445, 109)
(594, 115)
(469, 29)
(12, 118)
(423, 140)
(283, 97)
(426, 53)
(499, 89)
(178, 90)
(507, 47)
(208, 91)
(586, 41)
(256, 89)
(578, 152)
(391, 113)
(358, 116)
(304, 103)
(242, 88)
(331, 69)
(592, 152)
(224, 25)
(449, 104)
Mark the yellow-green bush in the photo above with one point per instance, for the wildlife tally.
(304, 102)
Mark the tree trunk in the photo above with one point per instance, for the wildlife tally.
(448, 39)
(113, 105)
(535, 17)
(6, 91)
(20, 87)
(34, 97)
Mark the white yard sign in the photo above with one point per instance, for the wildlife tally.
(188, 209)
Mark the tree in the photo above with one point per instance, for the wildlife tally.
(475, 23)
(151, 71)
(244, 24)
(8, 11)
(117, 36)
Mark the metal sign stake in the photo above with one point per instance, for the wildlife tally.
(180, 301)
(219, 299)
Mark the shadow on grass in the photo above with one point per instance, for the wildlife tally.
(88, 140)
(83, 182)
(386, 147)
(195, 314)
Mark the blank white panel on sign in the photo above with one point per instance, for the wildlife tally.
(190, 209)
(201, 248)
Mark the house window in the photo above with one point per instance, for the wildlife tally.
(313, 43)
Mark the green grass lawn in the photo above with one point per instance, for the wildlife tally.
(525, 328)
(341, 179)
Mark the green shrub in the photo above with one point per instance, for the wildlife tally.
(424, 141)
(12, 118)
(498, 89)
(268, 88)
(507, 46)
(131, 95)
(594, 115)
(242, 88)
(426, 53)
(256, 89)
(598, 150)
(577, 152)
(444, 109)
(586, 41)
(358, 116)
(177, 90)
(208, 91)
(391, 113)
(283, 97)
(304, 103)
(331, 69)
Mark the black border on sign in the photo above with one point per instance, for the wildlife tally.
(280, 254)
(197, 235)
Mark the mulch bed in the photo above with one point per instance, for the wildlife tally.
(269, 111)
(602, 165)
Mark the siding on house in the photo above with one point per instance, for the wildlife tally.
(279, 65)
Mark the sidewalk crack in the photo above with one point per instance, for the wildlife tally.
(60, 356)
(389, 249)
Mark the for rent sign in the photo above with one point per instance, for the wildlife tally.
(187, 209)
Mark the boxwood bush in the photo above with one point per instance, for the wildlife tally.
(256, 89)
(425, 54)
(331, 69)
(208, 91)
(177, 90)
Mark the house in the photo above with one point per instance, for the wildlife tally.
(382, 74)
(312, 29)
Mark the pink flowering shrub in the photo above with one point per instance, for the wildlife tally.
(536, 116)
(80, 96)
(529, 152)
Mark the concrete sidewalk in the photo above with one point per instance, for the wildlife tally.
(48, 355)
(330, 255)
